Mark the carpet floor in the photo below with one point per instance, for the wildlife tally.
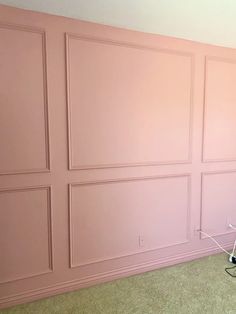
(198, 287)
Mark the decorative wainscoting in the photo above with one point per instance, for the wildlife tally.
(26, 229)
(133, 107)
(141, 152)
(67, 286)
(24, 120)
(220, 109)
(130, 210)
(218, 202)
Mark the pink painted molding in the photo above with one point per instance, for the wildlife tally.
(185, 158)
(219, 59)
(106, 41)
(68, 286)
(114, 181)
(49, 226)
(203, 175)
(42, 33)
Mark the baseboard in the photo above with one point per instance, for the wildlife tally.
(68, 286)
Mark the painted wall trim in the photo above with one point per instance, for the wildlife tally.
(204, 174)
(106, 41)
(48, 188)
(69, 286)
(41, 32)
(113, 181)
(219, 59)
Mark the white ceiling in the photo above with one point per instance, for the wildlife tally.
(210, 21)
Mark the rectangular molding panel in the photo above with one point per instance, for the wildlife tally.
(136, 109)
(25, 233)
(115, 147)
(220, 109)
(218, 211)
(24, 124)
(127, 212)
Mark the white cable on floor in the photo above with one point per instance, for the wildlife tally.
(234, 248)
(232, 226)
(206, 234)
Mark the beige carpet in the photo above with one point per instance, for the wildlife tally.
(198, 287)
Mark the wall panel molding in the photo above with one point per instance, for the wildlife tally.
(71, 166)
(209, 58)
(42, 33)
(131, 134)
(204, 175)
(139, 251)
(48, 189)
(72, 285)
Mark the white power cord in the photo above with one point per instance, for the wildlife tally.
(232, 257)
(232, 254)
(232, 226)
(206, 234)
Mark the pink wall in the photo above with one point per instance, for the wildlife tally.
(115, 147)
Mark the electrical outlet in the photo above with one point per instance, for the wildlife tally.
(141, 241)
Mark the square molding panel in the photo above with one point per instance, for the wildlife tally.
(128, 105)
